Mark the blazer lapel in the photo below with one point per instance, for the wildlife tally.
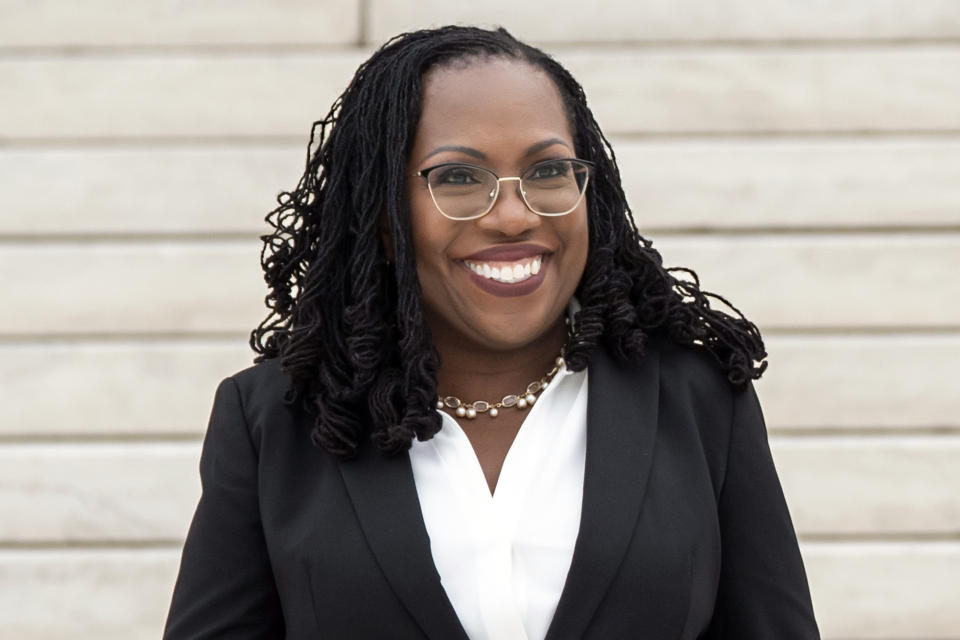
(385, 499)
(621, 430)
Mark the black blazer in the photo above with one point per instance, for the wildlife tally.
(684, 530)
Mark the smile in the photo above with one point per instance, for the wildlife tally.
(507, 272)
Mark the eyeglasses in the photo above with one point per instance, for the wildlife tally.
(463, 191)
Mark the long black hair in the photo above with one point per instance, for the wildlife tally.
(349, 328)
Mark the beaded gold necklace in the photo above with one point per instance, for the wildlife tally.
(470, 410)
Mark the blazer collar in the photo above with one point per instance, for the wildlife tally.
(621, 430)
(385, 499)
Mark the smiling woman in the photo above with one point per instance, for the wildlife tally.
(482, 407)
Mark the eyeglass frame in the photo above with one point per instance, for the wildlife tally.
(423, 173)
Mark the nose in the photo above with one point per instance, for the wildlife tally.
(509, 215)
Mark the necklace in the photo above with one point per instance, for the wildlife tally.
(519, 400)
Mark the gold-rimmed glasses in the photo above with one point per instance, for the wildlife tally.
(463, 191)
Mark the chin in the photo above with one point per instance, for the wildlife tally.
(513, 335)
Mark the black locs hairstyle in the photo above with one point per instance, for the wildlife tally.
(348, 327)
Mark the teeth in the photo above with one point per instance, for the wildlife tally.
(509, 273)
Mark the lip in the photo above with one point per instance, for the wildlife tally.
(504, 289)
(508, 253)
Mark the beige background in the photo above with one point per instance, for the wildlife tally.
(804, 157)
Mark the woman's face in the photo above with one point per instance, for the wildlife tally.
(504, 115)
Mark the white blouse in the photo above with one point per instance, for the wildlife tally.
(503, 558)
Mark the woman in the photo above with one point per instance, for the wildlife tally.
(482, 407)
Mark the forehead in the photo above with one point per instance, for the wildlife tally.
(490, 102)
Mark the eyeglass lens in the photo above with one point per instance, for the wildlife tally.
(549, 188)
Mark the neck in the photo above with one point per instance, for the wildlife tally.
(471, 372)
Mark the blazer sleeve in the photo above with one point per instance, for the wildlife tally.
(763, 591)
(225, 588)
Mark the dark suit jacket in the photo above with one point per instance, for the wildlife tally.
(684, 530)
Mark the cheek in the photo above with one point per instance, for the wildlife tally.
(432, 239)
(421, 229)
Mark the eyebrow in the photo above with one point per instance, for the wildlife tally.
(480, 155)
(540, 146)
(470, 151)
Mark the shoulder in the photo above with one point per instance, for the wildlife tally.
(263, 380)
(263, 391)
(694, 391)
(690, 367)
(685, 375)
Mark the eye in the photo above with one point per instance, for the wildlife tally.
(456, 175)
(548, 170)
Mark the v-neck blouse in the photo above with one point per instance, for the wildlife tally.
(503, 558)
